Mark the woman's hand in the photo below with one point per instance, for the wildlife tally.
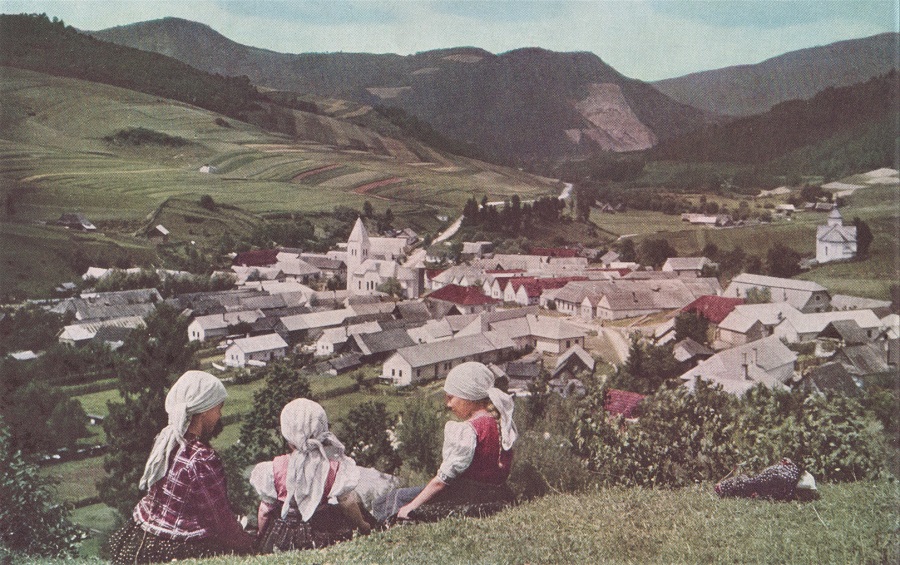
(403, 513)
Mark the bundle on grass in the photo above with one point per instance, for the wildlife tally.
(778, 482)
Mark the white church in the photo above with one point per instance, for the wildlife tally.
(371, 261)
(834, 240)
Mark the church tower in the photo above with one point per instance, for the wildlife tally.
(357, 254)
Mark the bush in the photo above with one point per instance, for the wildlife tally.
(31, 521)
(419, 435)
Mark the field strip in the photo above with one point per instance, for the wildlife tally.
(352, 179)
(87, 173)
(362, 189)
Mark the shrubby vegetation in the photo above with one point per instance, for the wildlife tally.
(32, 522)
(168, 285)
(684, 437)
(144, 136)
(514, 218)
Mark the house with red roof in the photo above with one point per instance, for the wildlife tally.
(713, 308)
(466, 299)
(256, 258)
(623, 403)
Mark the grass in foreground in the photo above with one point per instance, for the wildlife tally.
(854, 523)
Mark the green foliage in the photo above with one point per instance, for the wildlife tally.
(647, 369)
(828, 435)
(691, 325)
(158, 353)
(29, 327)
(681, 437)
(168, 285)
(419, 436)
(782, 261)
(758, 295)
(864, 237)
(144, 136)
(364, 432)
(206, 201)
(654, 252)
(685, 436)
(260, 437)
(391, 287)
(32, 522)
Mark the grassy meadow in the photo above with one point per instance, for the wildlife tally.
(849, 523)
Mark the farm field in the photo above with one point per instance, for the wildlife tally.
(59, 163)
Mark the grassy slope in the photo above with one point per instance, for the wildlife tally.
(878, 206)
(852, 523)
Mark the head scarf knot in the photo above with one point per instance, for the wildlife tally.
(193, 393)
(474, 381)
(305, 426)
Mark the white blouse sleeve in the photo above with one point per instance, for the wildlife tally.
(459, 449)
(262, 478)
(345, 480)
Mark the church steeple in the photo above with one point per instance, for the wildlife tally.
(835, 218)
(357, 253)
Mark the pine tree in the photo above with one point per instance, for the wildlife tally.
(160, 352)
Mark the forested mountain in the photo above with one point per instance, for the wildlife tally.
(867, 110)
(752, 89)
(525, 103)
(35, 43)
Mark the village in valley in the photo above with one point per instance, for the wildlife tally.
(678, 282)
(406, 313)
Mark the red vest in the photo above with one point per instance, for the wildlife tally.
(489, 465)
(279, 469)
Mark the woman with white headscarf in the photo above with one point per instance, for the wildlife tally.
(477, 452)
(301, 491)
(185, 512)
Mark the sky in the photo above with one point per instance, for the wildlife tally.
(643, 39)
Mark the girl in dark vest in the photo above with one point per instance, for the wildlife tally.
(477, 453)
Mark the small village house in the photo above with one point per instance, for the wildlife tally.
(261, 348)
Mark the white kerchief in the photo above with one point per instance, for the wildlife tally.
(305, 425)
(474, 381)
(194, 392)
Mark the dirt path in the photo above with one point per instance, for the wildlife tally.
(83, 173)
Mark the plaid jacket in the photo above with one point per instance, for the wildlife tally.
(190, 502)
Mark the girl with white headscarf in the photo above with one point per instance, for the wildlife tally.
(185, 512)
(477, 451)
(316, 474)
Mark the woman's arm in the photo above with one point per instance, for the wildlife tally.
(262, 516)
(434, 486)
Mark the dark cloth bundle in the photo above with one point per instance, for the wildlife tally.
(778, 482)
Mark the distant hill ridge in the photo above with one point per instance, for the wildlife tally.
(867, 110)
(752, 89)
(527, 103)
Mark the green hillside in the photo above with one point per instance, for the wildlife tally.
(744, 90)
(791, 125)
(850, 523)
(55, 158)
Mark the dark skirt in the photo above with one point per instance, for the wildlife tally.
(325, 527)
(460, 498)
(133, 545)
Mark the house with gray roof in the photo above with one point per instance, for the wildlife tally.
(806, 296)
(213, 326)
(799, 327)
(686, 266)
(766, 361)
(255, 350)
(377, 346)
(750, 322)
(429, 361)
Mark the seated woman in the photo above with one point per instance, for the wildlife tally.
(185, 512)
(299, 491)
(477, 454)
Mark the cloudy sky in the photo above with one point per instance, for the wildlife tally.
(645, 39)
